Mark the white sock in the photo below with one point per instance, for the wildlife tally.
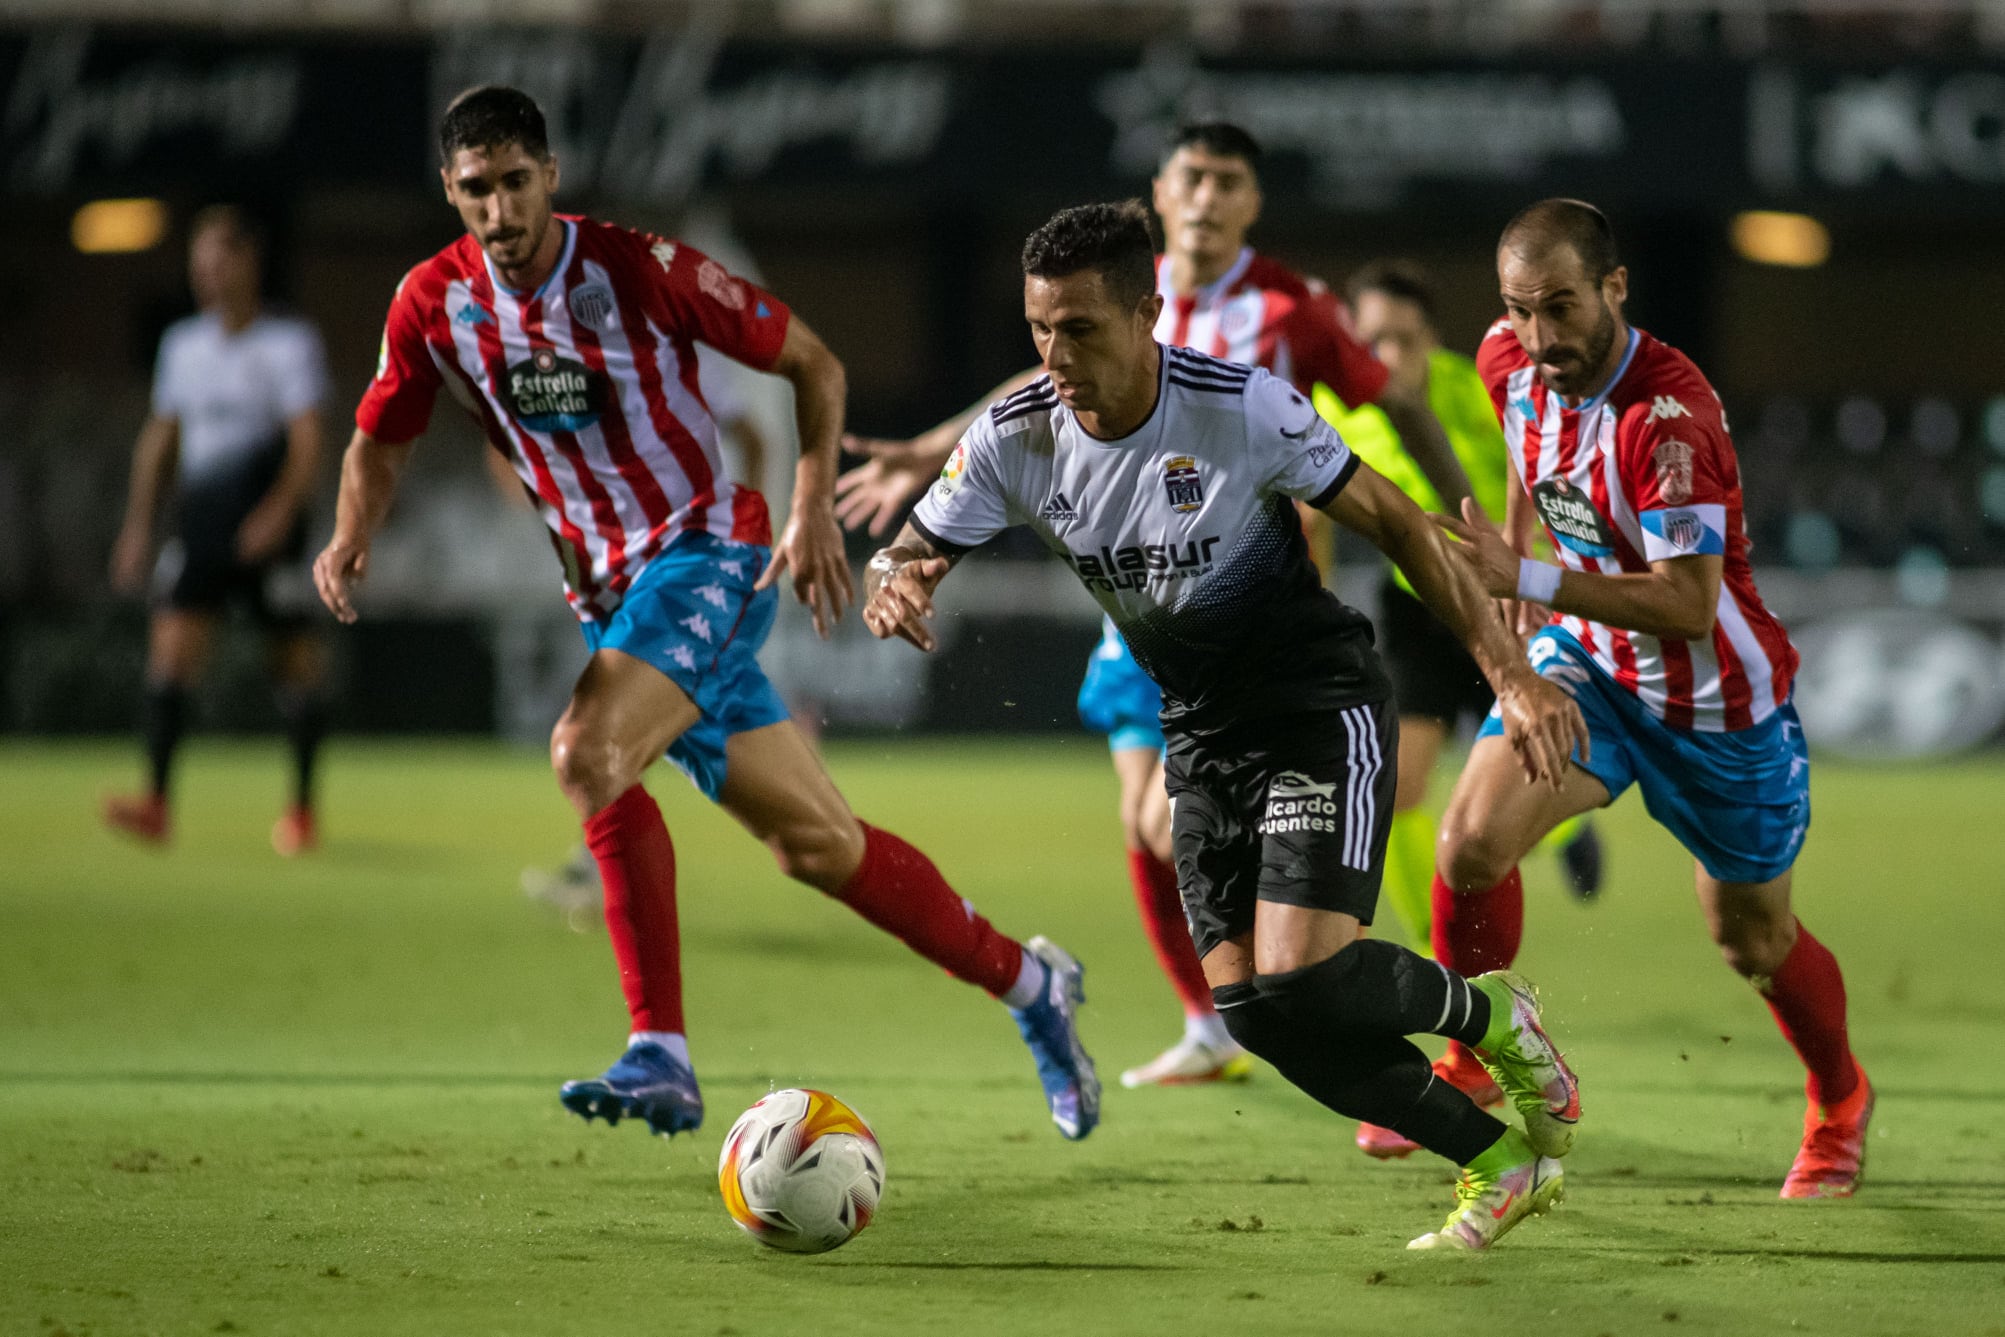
(1029, 986)
(1208, 1029)
(673, 1041)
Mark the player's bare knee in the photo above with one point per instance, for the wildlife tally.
(1472, 859)
(587, 765)
(1755, 947)
(823, 854)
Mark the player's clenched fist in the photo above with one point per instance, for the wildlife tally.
(899, 598)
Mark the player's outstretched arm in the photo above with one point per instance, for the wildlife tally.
(369, 473)
(811, 545)
(153, 456)
(875, 491)
(1678, 598)
(898, 587)
(1541, 723)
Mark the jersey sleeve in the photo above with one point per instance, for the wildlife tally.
(1298, 454)
(1496, 358)
(397, 406)
(968, 504)
(1324, 348)
(707, 302)
(1678, 467)
(300, 381)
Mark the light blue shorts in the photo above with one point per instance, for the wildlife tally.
(1740, 801)
(1118, 699)
(692, 613)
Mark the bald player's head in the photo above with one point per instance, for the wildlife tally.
(1571, 225)
(1563, 288)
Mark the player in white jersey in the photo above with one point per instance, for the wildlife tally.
(1223, 298)
(1167, 481)
(235, 427)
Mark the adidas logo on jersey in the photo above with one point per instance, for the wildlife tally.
(1058, 508)
(1664, 406)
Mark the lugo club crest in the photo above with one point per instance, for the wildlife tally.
(1571, 516)
(551, 393)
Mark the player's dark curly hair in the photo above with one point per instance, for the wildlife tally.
(1561, 222)
(1113, 239)
(1400, 279)
(493, 116)
(1220, 137)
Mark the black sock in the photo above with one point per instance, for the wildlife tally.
(305, 725)
(1380, 986)
(1367, 1074)
(163, 714)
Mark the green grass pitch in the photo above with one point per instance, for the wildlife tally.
(244, 1095)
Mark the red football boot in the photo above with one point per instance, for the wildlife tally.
(294, 834)
(143, 817)
(1833, 1157)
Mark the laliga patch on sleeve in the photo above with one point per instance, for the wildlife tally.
(955, 471)
(1684, 531)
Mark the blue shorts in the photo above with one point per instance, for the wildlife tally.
(692, 613)
(1118, 699)
(1740, 802)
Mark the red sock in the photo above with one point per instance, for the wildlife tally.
(900, 891)
(1478, 931)
(637, 867)
(1163, 917)
(1807, 995)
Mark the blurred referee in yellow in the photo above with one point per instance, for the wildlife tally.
(1434, 680)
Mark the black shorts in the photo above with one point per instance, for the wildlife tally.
(197, 574)
(1432, 675)
(1299, 818)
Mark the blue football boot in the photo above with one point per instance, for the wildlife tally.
(1050, 1027)
(647, 1083)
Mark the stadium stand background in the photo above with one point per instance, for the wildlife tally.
(878, 162)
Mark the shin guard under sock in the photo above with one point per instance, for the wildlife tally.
(1376, 1077)
(899, 890)
(637, 868)
(1162, 909)
(1478, 931)
(163, 717)
(305, 715)
(1807, 995)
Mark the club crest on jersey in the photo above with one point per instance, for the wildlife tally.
(1182, 484)
(551, 393)
(1682, 530)
(1674, 472)
(1572, 518)
(719, 286)
(592, 306)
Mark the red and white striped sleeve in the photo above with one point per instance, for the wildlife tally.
(397, 406)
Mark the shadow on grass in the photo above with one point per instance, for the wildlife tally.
(1852, 1255)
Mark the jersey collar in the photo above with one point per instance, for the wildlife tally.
(1601, 396)
(1142, 430)
(563, 263)
(1211, 292)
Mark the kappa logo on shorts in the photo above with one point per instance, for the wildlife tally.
(1297, 803)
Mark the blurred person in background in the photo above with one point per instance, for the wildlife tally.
(573, 343)
(1222, 298)
(1434, 680)
(235, 431)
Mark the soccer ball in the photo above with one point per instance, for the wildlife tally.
(801, 1171)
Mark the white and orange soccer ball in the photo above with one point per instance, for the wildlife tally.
(801, 1171)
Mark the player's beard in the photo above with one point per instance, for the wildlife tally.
(1574, 381)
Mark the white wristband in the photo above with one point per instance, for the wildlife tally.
(1538, 582)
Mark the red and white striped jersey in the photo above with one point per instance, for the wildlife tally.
(588, 386)
(1643, 472)
(1263, 314)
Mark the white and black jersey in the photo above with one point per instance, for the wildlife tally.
(231, 395)
(1185, 532)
